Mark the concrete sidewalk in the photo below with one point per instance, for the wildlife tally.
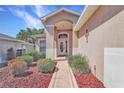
(63, 76)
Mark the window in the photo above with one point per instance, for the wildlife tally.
(63, 36)
(61, 46)
(42, 45)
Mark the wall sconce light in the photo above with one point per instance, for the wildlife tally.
(86, 35)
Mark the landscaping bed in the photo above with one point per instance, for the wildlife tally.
(33, 78)
(82, 72)
(88, 81)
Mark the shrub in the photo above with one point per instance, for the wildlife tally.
(17, 67)
(34, 54)
(42, 54)
(79, 64)
(3, 64)
(28, 59)
(46, 65)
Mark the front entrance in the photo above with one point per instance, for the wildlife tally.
(63, 44)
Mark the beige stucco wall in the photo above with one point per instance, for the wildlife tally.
(105, 31)
(62, 16)
(75, 43)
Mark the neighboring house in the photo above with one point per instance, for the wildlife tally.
(7, 42)
(98, 27)
(40, 42)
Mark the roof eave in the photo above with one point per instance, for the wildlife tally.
(43, 19)
(20, 41)
(86, 14)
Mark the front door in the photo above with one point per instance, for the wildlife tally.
(63, 46)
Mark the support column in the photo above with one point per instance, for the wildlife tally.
(50, 41)
(75, 43)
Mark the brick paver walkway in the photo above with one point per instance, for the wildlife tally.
(63, 77)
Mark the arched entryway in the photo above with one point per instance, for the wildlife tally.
(63, 44)
(61, 20)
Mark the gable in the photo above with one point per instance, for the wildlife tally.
(61, 15)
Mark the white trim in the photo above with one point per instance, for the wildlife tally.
(39, 36)
(9, 39)
(50, 25)
(50, 53)
(86, 14)
(62, 9)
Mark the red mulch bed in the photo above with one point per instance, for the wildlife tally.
(88, 81)
(34, 79)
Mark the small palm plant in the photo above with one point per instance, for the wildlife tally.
(79, 64)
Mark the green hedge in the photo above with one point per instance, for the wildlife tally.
(42, 54)
(36, 55)
(3, 64)
(79, 64)
(28, 59)
(46, 65)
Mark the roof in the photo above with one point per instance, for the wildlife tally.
(9, 38)
(39, 36)
(58, 11)
(6, 36)
(86, 14)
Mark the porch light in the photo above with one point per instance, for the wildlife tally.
(86, 35)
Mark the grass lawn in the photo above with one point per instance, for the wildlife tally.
(32, 79)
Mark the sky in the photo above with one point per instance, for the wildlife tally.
(14, 18)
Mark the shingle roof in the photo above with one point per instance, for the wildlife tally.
(6, 36)
(9, 38)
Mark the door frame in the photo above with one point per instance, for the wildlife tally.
(67, 42)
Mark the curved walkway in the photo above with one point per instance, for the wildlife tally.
(63, 76)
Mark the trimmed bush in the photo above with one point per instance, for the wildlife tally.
(34, 54)
(46, 65)
(17, 67)
(79, 64)
(28, 59)
(42, 54)
(3, 64)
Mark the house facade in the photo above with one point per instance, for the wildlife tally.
(61, 40)
(104, 26)
(7, 42)
(98, 27)
(40, 42)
